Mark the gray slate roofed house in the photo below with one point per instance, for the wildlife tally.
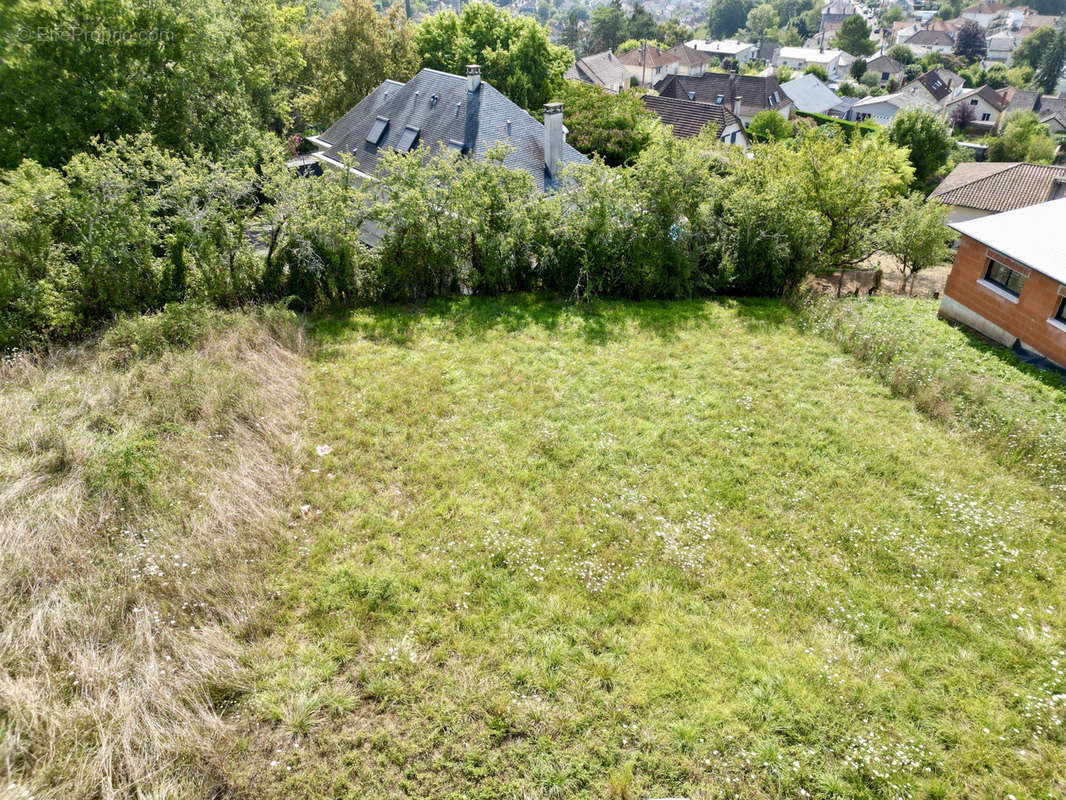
(883, 64)
(439, 110)
(928, 38)
(757, 92)
(809, 94)
(600, 69)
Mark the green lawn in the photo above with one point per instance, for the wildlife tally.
(648, 550)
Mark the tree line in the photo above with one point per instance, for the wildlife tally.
(133, 227)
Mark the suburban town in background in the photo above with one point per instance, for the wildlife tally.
(539, 400)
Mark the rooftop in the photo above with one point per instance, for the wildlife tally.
(1023, 234)
(996, 187)
(688, 118)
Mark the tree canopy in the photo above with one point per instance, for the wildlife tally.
(616, 127)
(926, 137)
(349, 52)
(1050, 69)
(854, 36)
(970, 41)
(515, 53)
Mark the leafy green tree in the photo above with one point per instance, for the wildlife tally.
(762, 21)
(607, 26)
(926, 137)
(849, 187)
(818, 71)
(858, 68)
(970, 41)
(350, 51)
(1023, 139)
(854, 36)
(915, 236)
(1050, 70)
(672, 32)
(616, 127)
(901, 53)
(893, 14)
(641, 24)
(570, 36)
(1030, 51)
(768, 125)
(727, 17)
(515, 53)
(194, 75)
(870, 79)
(635, 44)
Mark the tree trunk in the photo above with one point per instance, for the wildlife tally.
(840, 282)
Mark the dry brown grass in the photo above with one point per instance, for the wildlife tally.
(142, 483)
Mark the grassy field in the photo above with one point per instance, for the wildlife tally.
(642, 551)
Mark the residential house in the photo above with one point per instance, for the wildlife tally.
(757, 92)
(1050, 110)
(904, 30)
(1000, 46)
(979, 188)
(925, 41)
(600, 69)
(440, 111)
(1008, 281)
(767, 51)
(984, 103)
(687, 118)
(649, 65)
(887, 69)
(934, 86)
(836, 11)
(799, 58)
(984, 13)
(736, 51)
(810, 94)
(690, 61)
(882, 109)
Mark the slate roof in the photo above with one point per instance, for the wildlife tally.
(937, 83)
(688, 118)
(930, 39)
(998, 187)
(439, 107)
(884, 64)
(599, 69)
(986, 93)
(809, 94)
(1019, 99)
(757, 92)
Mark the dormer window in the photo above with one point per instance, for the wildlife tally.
(719, 99)
(377, 131)
(408, 139)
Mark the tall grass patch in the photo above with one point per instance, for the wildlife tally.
(142, 480)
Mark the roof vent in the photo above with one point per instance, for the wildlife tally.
(508, 127)
(416, 97)
(458, 107)
(433, 98)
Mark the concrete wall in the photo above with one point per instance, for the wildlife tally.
(968, 299)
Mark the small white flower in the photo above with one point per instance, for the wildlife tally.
(323, 449)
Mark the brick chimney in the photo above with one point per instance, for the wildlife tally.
(553, 138)
(473, 77)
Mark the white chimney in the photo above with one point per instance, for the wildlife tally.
(473, 77)
(553, 137)
(736, 107)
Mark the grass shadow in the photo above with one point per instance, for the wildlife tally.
(599, 321)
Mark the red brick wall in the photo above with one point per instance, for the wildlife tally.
(1028, 318)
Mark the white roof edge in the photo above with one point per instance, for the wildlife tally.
(1024, 235)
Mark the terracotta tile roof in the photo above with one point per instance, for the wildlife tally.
(689, 56)
(689, 117)
(647, 56)
(986, 8)
(998, 187)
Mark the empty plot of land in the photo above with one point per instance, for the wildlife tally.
(648, 550)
